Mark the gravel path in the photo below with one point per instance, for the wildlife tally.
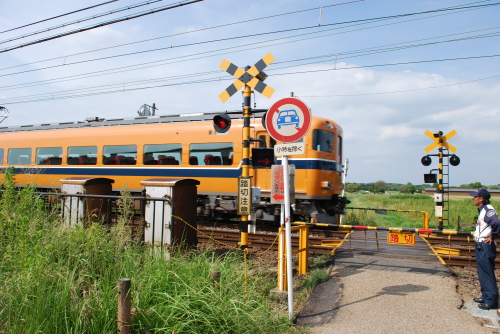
(378, 295)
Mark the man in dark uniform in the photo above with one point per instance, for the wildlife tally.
(487, 229)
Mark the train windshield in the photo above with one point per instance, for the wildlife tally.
(323, 141)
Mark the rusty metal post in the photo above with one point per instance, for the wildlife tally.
(124, 315)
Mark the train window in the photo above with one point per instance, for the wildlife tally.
(211, 154)
(19, 156)
(1, 156)
(323, 141)
(119, 155)
(165, 154)
(49, 155)
(82, 155)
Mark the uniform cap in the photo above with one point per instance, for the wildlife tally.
(481, 193)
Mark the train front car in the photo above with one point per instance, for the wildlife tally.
(318, 174)
(129, 151)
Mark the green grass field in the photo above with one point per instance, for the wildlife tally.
(55, 279)
(462, 208)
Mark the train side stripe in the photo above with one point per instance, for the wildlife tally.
(221, 172)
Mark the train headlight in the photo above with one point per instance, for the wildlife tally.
(327, 185)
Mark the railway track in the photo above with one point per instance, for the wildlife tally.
(454, 250)
(323, 242)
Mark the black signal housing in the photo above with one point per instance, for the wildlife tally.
(222, 123)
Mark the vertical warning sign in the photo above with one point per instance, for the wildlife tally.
(278, 184)
(244, 195)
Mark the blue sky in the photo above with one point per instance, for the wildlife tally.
(343, 71)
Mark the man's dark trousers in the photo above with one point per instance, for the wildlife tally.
(485, 262)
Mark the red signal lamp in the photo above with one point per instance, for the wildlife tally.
(222, 123)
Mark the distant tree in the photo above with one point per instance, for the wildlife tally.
(382, 185)
(351, 187)
(376, 188)
(394, 186)
(494, 187)
(473, 185)
(404, 189)
(411, 188)
(420, 188)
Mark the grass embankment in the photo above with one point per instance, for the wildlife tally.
(462, 208)
(64, 280)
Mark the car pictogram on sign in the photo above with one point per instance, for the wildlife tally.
(288, 120)
(287, 117)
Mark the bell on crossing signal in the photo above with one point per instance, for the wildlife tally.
(454, 160)
(426, 160)
(222, 123)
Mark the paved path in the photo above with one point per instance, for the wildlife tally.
(373, 292)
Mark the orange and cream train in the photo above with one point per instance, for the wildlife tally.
(181, 146)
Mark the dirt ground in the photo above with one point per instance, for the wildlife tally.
(467, 282)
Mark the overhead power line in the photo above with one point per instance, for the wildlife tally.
(360, 21)
(102, 24)
(58, 16)
(401, 91)
(145, 3)
(121, 87)
(178, 34)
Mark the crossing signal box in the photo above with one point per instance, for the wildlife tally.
(222, 123)
(262, 157)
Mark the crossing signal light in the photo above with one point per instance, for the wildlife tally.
(222, 123)
(454, 160)
(426, 160)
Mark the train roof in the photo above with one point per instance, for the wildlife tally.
(100, 122)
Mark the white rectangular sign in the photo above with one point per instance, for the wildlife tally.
(289, 149)
(244, 195)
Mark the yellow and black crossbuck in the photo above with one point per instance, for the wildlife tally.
(252, 77)
(440, 140)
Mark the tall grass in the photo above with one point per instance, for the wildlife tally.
(462, 208)
(61, 280)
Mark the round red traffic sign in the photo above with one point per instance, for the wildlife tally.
(288, 120)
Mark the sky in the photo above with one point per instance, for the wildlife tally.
(386, 71)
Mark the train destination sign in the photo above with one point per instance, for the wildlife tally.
(288, 120)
